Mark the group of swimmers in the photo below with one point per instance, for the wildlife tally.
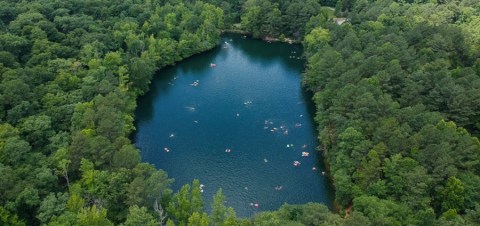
(315, 168)
(293, 56)
(196, 83)
(267, 124)
(304, 153)
(282, 128)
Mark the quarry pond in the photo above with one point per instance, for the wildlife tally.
(236, 118)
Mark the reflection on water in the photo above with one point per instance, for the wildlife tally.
(243, 124)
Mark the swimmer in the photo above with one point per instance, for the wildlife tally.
(172, 135)
(296, 163)
(265, 160)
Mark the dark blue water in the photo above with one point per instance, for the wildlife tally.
(246, 103)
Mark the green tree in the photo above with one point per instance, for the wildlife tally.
(141, 71)
(267, 218)
(185, 203)
(407, 181)
(7, 218)
(317, 39)
(180, 206)
(37, 130)
(251, 19)
(147, 186)
(196, 199)
(93, 216)
(370, 170)
(128, 157)
(219, 211)
(382, 212)
(198, 220)
(139, 216)
(452, 196)
(52, 206)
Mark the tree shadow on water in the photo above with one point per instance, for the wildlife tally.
(264, 52)
(165, 78)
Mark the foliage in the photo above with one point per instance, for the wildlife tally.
(70, 73)
(395, 89)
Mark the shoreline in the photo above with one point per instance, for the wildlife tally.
(266, 38)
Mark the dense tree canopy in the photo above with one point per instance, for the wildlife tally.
(396, 94)
(70, 72)
(396, 88)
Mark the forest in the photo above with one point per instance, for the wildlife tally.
(397, 91)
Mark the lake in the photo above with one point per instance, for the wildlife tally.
(236, 118)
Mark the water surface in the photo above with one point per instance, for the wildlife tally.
(239, 126)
